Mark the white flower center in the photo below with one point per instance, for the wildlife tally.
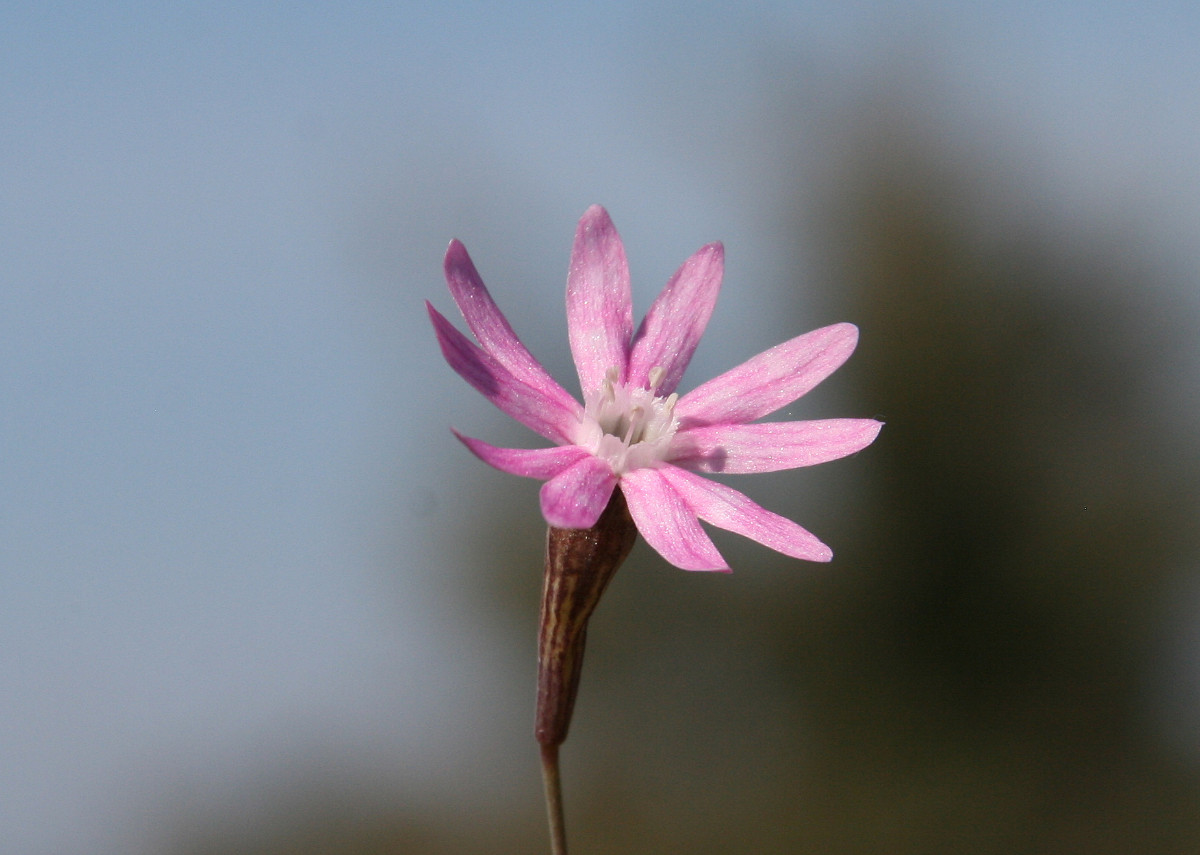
(631, 428)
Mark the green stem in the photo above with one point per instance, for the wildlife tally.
(554, 804)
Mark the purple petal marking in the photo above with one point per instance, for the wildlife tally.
(771, 380)
(726, 508)
(668, 522)
(770, 446)
(528, 405)
(599, 302)
(668, 335)
(491, 328)
(576, 496)
(540, 463)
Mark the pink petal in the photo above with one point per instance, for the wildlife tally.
(575, 497)
(599, 303)
(668, 522)
(770, 446)
(771, 380)
(726, 508)
(491, 328)
(672, 328)
(540, 463)
(530, 406)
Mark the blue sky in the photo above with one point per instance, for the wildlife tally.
(227, 480)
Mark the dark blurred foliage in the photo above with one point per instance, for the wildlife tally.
(971, 674)
(982, 683)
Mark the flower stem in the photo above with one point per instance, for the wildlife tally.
(579, 565)
(554, 805)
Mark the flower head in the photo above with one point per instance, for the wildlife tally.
(632, 430)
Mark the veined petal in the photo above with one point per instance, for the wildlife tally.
(668, 522)
(530, 406)
(491, 329)
(540, 463)
(599, 302)
(769, 446)
(726, 508)
(576, 496)
(771, 380)
(668, 335)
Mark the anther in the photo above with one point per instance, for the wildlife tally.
(656, 376)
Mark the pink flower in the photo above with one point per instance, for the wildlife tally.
(633, 430)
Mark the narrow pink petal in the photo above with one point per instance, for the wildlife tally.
(668, 522)
(540, 463)
(771, 380)
(770, 446)
(599, 303)
(726, 508)
(576, 496)
(491, 328)
(672, 328)
(530, 406)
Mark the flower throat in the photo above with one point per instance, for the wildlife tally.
(631, 428)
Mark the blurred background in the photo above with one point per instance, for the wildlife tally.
(254, 598)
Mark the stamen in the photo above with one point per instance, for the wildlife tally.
(610, 383)
(630, 427)
(635, 420)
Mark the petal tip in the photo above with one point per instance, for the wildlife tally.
(594, 213)
(436, 317)
(847, 331)
(594, 219)
(722, 569)
(559, 515)
(456, 254)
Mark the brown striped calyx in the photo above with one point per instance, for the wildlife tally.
(579, 565)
